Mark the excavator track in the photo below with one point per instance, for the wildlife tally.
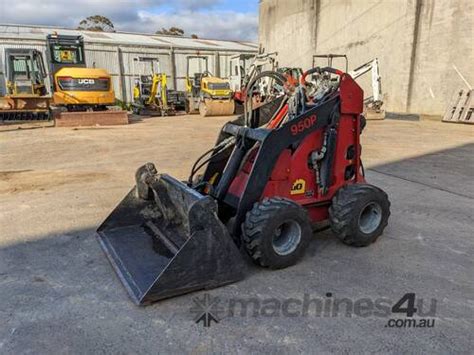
(22, 116)
(21, 108)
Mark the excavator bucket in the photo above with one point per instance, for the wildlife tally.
(165, 239)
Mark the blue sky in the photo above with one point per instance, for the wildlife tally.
(220, 19)
(245, 5)
(238, 6)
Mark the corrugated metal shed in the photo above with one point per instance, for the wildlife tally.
(116, 52)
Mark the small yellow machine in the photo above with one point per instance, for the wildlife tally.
(75, 86)
(151, 95)
(205, 93)
(25, 97)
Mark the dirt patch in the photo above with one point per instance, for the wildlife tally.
(18, 181)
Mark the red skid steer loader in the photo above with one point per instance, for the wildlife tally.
(273, 173)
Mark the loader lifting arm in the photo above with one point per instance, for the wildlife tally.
(272, 142)
(262, 188)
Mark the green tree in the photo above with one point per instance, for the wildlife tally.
(172, 31)
(96, 23)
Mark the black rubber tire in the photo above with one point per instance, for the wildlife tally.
(261, 224)
(350, 204)
(363, 123)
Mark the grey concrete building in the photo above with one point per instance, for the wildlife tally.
(425, 47)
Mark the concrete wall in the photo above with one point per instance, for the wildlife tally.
(424, 47)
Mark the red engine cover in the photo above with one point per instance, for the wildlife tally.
(295, 179)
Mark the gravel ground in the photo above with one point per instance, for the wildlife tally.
(60, 295)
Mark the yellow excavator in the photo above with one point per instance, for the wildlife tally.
(76, 87)
(205, 93)
(151, 95)
(25, 96)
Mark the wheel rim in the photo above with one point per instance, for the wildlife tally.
(286, 238)
(370, 218)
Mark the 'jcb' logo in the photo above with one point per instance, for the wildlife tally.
(299, 187)
(86, 81)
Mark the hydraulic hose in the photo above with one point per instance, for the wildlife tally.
(199, 163)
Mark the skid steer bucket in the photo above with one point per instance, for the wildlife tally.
(165, 239)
